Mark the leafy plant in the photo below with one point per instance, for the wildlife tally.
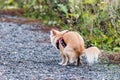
(98, 21)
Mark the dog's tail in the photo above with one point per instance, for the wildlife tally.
(92, 54)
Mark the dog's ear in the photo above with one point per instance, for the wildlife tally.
(53, 32)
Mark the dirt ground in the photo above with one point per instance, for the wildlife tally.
(26, 54)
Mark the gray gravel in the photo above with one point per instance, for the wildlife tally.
(24, 55)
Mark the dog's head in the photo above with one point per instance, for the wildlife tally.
(54, 35)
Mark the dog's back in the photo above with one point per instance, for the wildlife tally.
(75, 41)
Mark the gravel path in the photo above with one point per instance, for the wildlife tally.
(28, 55)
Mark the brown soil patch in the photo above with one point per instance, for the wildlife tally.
(38, 23)
(20, 12)
(12, 12)
(20, 21)
(43, 28)
(111, 58)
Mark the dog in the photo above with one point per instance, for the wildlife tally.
(70, 44)
(92, 54)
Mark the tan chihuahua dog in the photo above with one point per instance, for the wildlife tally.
(92, 54)
(69, 43)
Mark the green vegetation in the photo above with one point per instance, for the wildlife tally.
(97, 20)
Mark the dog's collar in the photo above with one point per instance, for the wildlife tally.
(61, 41)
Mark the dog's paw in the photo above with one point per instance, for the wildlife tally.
(65, 64)
(61, 63)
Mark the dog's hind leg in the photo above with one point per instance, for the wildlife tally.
(78, 61)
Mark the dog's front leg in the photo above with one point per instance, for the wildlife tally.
(66, 60)
(63, 58)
